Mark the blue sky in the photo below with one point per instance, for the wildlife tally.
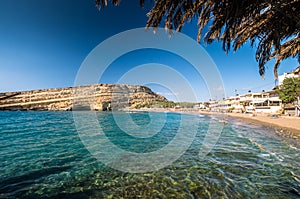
(43, 43)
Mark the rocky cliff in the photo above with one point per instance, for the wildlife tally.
(91, 97)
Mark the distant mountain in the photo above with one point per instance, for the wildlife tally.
(91, 97)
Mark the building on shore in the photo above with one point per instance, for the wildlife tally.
(264, 102)
(293, 74)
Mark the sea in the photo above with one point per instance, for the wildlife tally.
(143, 155)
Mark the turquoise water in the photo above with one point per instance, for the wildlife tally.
(42, 156)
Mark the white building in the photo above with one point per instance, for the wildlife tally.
(212, 106)
(294, 74)
(266, 102)
(231, 104)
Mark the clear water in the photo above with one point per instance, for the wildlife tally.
(42, 156)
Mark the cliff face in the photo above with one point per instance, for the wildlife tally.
(91, 97)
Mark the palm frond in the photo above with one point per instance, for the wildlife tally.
(267, 23)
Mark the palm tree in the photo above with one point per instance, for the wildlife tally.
(272, 26)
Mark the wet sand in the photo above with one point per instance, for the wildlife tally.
(287, 126)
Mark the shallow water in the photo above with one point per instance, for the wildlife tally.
(43, 156)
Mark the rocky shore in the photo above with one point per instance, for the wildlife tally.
(91, 97)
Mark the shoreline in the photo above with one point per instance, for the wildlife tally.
(285, 126)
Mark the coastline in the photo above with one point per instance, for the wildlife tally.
(285, 126)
